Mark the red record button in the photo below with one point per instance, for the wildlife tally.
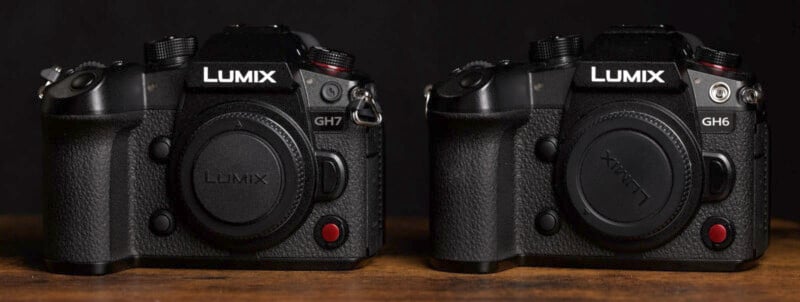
(717, 233)
(330, 232)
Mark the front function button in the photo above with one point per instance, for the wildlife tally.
(548, 223)
(547, 149)
(160, 148)
(717, 233)
(332, 176)
(162, 223)
(330, 232)
(83, 81)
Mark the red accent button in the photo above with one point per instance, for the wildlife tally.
(717, 233)
(330, 232)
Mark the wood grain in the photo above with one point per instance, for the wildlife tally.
(399, 273)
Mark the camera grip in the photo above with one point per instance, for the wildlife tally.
(472, 185)
(85, 185)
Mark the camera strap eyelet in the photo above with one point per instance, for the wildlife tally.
(365, 99)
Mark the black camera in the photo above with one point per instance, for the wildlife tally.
(646, 151)
(258, 150)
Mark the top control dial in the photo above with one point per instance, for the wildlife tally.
(717, 59)
(331, 59)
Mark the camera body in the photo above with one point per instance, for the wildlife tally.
(638, 153)
(258, 150)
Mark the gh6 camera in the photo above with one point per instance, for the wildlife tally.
(647, 151)
(259, 150)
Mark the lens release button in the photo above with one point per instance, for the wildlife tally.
(720, 176)
(332, 176)
(717, 175)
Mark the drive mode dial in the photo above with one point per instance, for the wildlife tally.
(556, 47)
(169, 52)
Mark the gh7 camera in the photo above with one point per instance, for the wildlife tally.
(258, 150)
(646, 151)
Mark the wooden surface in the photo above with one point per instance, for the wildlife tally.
(399, 273)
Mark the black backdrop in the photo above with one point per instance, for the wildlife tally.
(403, 45)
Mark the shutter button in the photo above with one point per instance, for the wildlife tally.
(471, 79)
(82, 81)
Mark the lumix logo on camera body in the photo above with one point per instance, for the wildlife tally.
(238, 76)
(627, 76)
(235, 75)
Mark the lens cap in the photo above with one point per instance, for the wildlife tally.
(625, 176)
(246, 178)
(238, 177)
(630, 178)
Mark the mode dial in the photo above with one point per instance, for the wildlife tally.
(716, 58)
(90, 65)
(331, 59)
(169, 52)
(556, 47)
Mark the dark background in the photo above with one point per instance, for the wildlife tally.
(402, 45)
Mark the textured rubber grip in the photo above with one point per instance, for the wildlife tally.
(472, 172)
(85, 165)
